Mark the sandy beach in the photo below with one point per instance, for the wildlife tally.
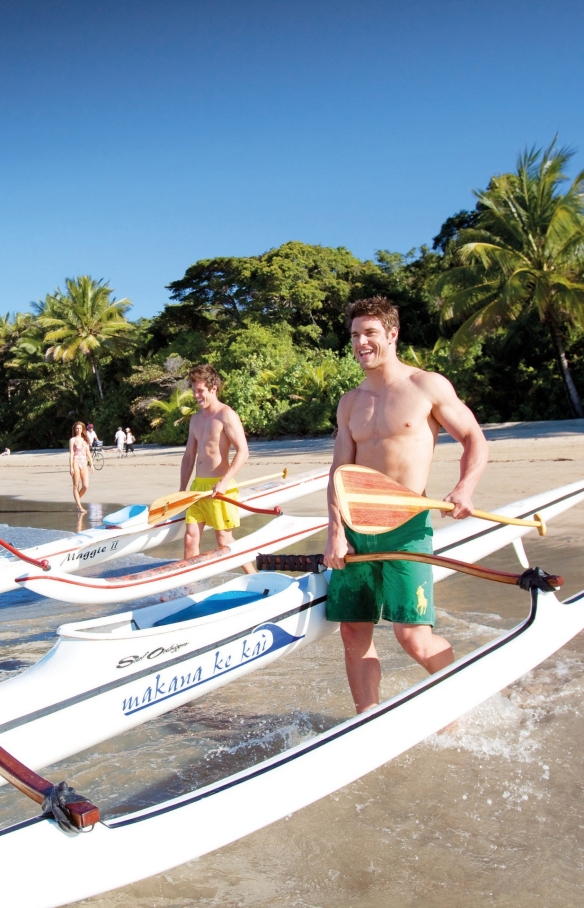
(525, 458)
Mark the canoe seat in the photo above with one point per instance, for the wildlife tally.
(218, 602)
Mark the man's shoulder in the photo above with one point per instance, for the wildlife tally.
(227, 414)
(349, 397)
(430, 383)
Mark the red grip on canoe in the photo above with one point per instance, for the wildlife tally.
(44, 564)
(273, 512)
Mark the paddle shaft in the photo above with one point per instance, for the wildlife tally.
(419, 502)
(451, 563)
(315, 563)
(170, 505)
(82, 813)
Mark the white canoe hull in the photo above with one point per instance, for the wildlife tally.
(132, 534)
(106, 676)
(110, 674)
(118, 852)
(277, 534)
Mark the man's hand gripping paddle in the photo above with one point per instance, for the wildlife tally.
(170, 505)
(370, 502)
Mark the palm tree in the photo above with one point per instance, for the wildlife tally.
(177, 409)
(84, 324)
(526, 251)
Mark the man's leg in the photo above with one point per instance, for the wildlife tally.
(362, 663)
(225, 537)
(423, 645)
(193, 533)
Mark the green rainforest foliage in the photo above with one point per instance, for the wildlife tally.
(497, 305)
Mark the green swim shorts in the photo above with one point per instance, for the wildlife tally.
(400, 591)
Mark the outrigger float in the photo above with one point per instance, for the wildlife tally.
(128, 531)
(103, 854)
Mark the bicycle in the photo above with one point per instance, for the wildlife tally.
(98, 458)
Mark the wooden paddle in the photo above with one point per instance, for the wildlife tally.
(170, 505)
(370, 502)
(315, 563)
(70, 808)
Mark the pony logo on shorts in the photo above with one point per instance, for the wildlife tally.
(422, 601)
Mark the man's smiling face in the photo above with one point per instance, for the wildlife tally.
(371, 342)
(203, 395)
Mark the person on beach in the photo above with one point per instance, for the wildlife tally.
(79, 458)
(390, 422)
(92, 436)
(129, 443)
(120, 441)
(213, 431)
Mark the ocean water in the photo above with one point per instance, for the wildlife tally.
(488, 812)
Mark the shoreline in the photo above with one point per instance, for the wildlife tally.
(553, 450)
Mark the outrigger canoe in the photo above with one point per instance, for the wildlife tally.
(278, 533)
(119, 851)
(100, 590)
(127, 531)
(107, 675)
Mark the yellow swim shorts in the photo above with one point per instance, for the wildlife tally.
(211, 511)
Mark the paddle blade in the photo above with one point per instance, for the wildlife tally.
(370, 502)
(170, 505)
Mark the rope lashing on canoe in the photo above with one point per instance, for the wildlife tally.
(71, 811)
(537, 579)
(56, 803)
(273, 512)
(44, 564)
(531, 579)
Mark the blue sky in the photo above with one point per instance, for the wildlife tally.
(137, 136)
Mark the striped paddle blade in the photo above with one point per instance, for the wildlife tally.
(370, 502)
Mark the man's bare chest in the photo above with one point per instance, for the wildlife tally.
(385, 416)
(209, 432)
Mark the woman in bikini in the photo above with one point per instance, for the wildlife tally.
(79, 457)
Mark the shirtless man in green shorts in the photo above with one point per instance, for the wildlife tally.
(390, 422)
(214, 430)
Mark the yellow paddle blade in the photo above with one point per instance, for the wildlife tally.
(170, 505)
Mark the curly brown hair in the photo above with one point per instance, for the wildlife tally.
(83, 430)
(207, 374)
(374, 307)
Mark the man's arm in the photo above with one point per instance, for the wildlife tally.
(460, 422)
(234, 431)
(345, 449)
(189, 457)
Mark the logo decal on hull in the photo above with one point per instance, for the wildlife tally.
(127, 661)
(88, 554)
(263, 640)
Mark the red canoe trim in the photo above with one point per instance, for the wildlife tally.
(115, 586)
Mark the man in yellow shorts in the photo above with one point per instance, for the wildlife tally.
(214, 430)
